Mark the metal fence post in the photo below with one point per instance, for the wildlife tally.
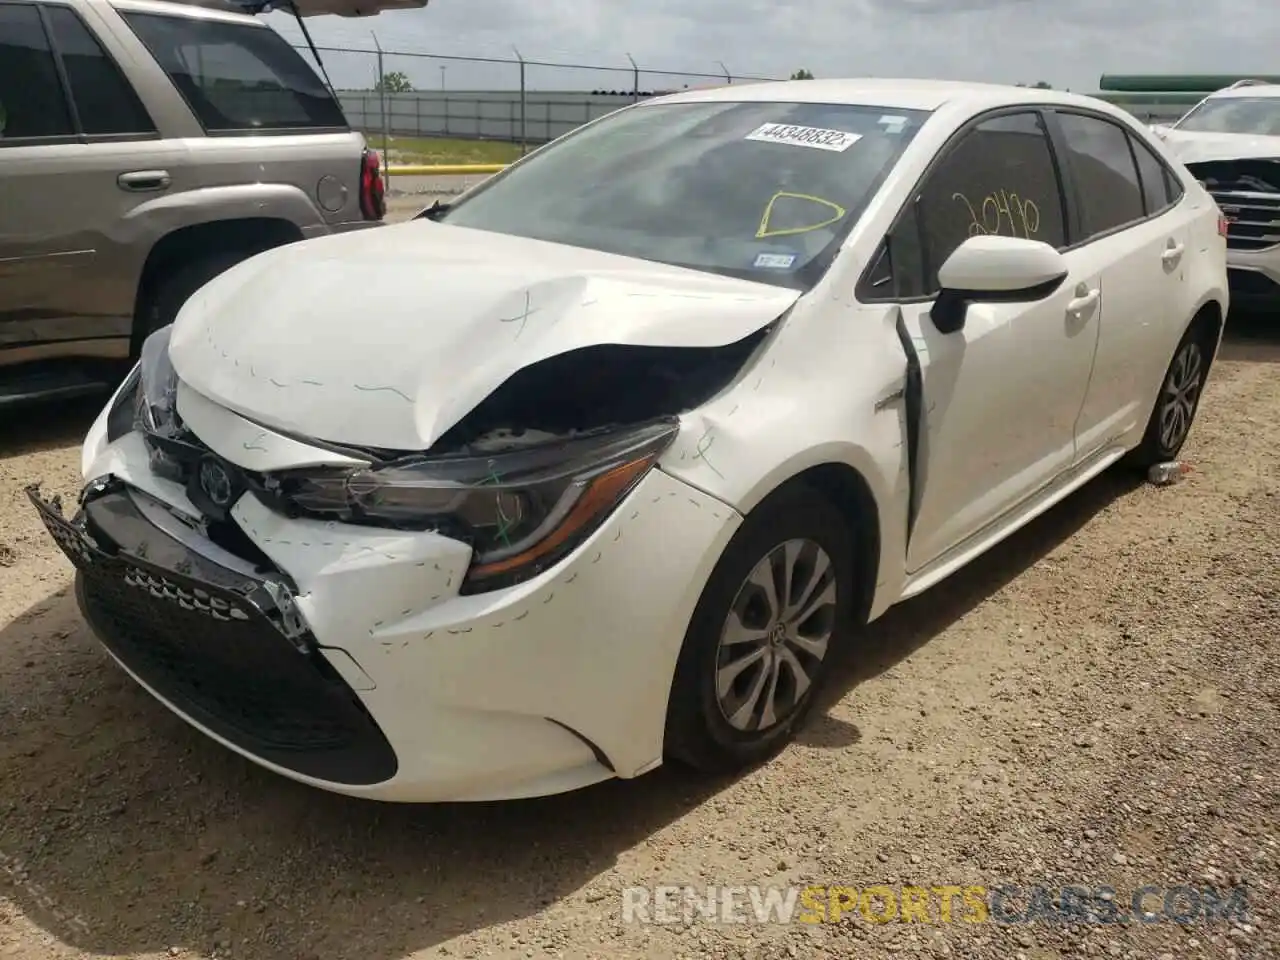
(635, 79)
(524, 107)
(382, 104)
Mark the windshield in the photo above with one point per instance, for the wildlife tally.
(762, 191)
(237, 77)
(1257, 116)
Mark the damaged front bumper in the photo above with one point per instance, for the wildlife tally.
(348, 658)
(223, 647)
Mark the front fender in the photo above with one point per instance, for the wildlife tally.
(822, 392)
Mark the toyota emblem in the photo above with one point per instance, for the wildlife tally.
(216, 483)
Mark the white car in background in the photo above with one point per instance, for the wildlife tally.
(603, 463)
(1230, 141)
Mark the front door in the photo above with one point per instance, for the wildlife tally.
(1001, 396)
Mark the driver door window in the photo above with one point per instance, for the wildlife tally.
(1000, 179)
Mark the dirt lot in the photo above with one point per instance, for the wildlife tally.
(1095, 702)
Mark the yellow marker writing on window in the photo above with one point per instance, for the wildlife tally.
(764, 229)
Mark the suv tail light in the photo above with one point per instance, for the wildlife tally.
(373, 201)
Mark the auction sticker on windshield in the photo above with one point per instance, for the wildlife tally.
(816, 137)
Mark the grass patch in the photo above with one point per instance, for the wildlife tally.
(440, 150)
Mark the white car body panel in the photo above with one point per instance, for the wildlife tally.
(389, 341)
(1193, 147)
(239, 341)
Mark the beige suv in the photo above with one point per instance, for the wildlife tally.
(145, 147)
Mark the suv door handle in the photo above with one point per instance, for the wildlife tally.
(144, 181)
(1172, 253)
(1084, 301)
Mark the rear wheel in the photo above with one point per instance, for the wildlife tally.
(758, 647)
(1179, 398)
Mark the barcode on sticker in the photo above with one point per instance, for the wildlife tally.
(775, 261)
(816, 137)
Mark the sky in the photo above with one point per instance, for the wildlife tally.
(1068, 43)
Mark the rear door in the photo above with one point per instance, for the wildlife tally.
(1129, 224)
(71, 125)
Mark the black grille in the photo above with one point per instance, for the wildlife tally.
(212, 651)
(1248, 193)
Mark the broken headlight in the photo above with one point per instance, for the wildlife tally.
(155, 409)
(521, 511)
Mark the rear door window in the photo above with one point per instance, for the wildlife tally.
(1106, 174)
(105, 103)
(238, 78)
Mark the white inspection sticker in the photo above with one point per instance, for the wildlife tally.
(816, 137)
(775, 261)
(893, 124)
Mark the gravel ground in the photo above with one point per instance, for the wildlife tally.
(1094, 702)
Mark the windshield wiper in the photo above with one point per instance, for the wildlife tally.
(435, 212)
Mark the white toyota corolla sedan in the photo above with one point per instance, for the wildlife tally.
(602, 463)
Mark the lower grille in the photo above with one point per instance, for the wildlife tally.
(1248, 193)
(1250, 283)
(199, 637)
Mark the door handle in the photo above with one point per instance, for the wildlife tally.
(144, 181)
(1084, 301)
(1173, 253)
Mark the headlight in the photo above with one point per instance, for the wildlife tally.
(521, 512)
(156, 409)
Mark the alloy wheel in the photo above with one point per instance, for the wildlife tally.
(1180, 394)
(776, 636)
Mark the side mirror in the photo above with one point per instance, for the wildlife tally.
(992, 269)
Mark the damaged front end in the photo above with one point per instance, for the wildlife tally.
(535, 469)
(523, 479)
(217, 638)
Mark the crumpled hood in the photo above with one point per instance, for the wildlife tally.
(387, 338)
(1192, 147)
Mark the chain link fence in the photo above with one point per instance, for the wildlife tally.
(397, 93)
(513, 100)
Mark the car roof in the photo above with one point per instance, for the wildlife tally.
(245, 10)
(184, 8)
(904, 94)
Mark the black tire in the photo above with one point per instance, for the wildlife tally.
(698, 731)
(169, 294)
(1158, 444)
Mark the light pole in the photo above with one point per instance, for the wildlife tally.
(442, 70)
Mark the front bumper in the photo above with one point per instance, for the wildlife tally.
(417, 693)
(224, 647)
(1254, 278)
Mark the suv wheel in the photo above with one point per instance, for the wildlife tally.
(169, 294)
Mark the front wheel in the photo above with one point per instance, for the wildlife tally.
(771, 616)
(1179, 399)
